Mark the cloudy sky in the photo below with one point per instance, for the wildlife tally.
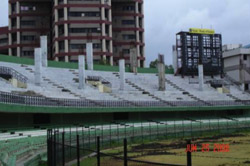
(164, 18)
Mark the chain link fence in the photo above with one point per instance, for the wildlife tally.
(87, 145)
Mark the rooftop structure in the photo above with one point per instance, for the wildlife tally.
(113, 26)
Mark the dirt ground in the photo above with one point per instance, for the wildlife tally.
(236, 153)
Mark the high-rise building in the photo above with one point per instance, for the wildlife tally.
(198, 46)
(113, 26)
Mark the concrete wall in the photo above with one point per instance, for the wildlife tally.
(14, 120)
(237, 64)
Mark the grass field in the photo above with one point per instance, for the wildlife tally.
(174, 152)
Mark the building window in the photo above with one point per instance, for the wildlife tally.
(84, 14)
(4, 41)
(206, 41)
(28, 53)
(128, 37)
(245, 57)
(96, 45)
(126, 51)
(28, 38)
(128, 22)
(61, 45)
(28, 23)
(60, 13)
(78, 46)
(28, 8)
(84, 30)
(128, 8)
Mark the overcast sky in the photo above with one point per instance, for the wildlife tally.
(164, 18)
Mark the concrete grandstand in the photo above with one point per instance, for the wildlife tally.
(27, 110)
(59, 95)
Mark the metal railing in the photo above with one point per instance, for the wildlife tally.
(11, 98)
(15, 74)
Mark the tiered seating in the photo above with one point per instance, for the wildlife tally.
(63, 83)
(13, 150)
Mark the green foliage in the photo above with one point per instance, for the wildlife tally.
(153, 64)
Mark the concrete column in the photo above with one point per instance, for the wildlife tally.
(133, 61)
(110, 35)
(103, 30)
(89, 49)
(44, 49)
(38, 66)
(201, 77)
(66, 33)
(174, 54)
(137, 25)
(143, 34)
(56, 31)
(161, 73)
(122, 73)
(10, 28)
(18, 27)
(81, 66)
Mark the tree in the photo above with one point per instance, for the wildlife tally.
(153, 64)
(169, 67)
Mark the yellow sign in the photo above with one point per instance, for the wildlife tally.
(202, 31)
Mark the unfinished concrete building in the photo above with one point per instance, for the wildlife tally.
(237, 64)
(113, 26)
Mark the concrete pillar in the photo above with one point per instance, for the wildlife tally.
(44, 49)
(18, 27)
(66, 33)
(174, 54)
(110, 35)
(38, 66)
(81, 67)
(143, 34)
(161, 73)
(103, 30)
(89, 49)
(133, 60)
(56, 31)
(201, 77)
(122, 73)
(137, 25)
(10, 28)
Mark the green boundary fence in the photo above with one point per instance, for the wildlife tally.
(15, 108)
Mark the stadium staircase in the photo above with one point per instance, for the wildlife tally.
(13, 73)
(187, 93)
(110, 94)
(63, 89)
(236, 84)
(145, 92)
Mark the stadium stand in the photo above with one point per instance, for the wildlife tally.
(59, 102)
